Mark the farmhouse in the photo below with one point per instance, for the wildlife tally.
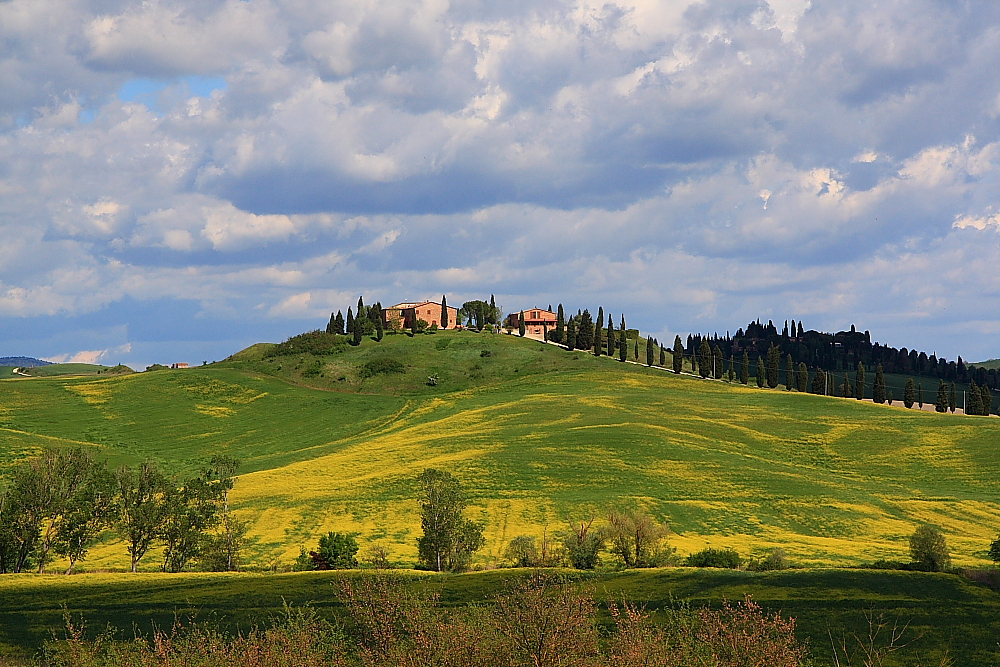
(405, 313)
(181, 364)
(536, 322)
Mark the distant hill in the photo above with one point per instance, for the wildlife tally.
(989, 364)
(23, 362)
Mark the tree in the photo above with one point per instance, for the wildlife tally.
(88, 512)
(773, 361)
(444, 311)
(973, 404)
(449, 539)
(745, 368)
(819, 382)
(622, 345)
(717, 362)
(802, 378)
(493, 315)
(995, 550)
(761, 372)
(704, 359)
(520, 324)
(191, 510)
(350, 321)
(331, 327)
(585, 331)
(732, 368)
(941, 404)
(929, 549)
(612, 338)
(920, 395)
(559, 335)
(952, 399)
(909, 394)
(986, 398)
(859, 382)
(649, 350)
(678, 355)
(141, 507)
(635, 350)
(376, 312)
(571, 334)
(878, 390)
(663, 357)
(583, 545)
(790, 371)
(338, 324)
(636, 538)
(599, 332)
(336, 551)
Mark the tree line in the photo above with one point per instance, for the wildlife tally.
(58, 504)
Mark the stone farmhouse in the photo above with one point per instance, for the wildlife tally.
(428, 311)
(537, 322)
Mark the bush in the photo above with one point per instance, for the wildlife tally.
(722, 558)
(313, 370)
(382, 366)
(486, 353)
(336, 551)
(312, 342)
(775, 560)
(995, 550)
(929, 550)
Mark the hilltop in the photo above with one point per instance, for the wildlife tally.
(539, 436)
(23, 362)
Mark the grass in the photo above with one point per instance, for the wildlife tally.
(944, 611)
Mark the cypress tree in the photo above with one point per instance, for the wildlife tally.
(878, 391)
(520, 325)
(920, 395)
(585, 331)
(732, 367)
(790, 369)
(941, 404)
(339, 324)
(358, 332)
(859, 382)
(331, 327)
(952, 403)
(649, 350)
(379, 331)
(361, 314)
(704, 359)
(973, 404)
(717, 361)
(492, 315)
(560, 336)
(598, 332)
(678, 354)
(350, 321)
(571, 334)
(635, 350)
(802, 378)
(444, 313)
(773, 360)
(819, 382)
(622, 346)
(663, 357)
(986, 399)
(909, 394)
(612, 339)
(761, 372)
(745, 368)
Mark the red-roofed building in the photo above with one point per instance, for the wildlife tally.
(428, 311)
(537, 321)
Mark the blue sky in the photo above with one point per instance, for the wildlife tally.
(180, 179)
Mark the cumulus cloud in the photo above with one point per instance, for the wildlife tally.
(696, 163)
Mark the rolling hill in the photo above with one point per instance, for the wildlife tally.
(538, 436)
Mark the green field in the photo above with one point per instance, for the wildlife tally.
(945, 612)
(539, 436)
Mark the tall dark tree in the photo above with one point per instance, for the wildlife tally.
(378, 317)
(745, 368)
(350, 321)
(571, 334)
(663, 357)
(704, 359)
(444, 311)
(790, 369)
(649, 350)
(909, 393)
(717, 361)
(449, 539)
(359, 329)
(338, 324)
(973, 400)
(520, 325)
(585, 331)
(941, 404)
(773, 361)
(761, 372)
(599, 332)
(986, 399)
(952, 398)
(819, 382)
(635, 350)
(559, 335)
(878, 390)
(859, 382)
(331, 327)
(612, 339)
(920, 395)
(802, 378)
(622, 346)
(192, 508)
(494, 315)
(678, 354)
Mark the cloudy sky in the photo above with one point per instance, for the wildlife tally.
(181, 178)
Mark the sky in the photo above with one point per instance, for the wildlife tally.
(182, 178)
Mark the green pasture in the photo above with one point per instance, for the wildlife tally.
(539, 436)
(944, 612)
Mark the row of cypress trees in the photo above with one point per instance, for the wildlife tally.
(368, 322)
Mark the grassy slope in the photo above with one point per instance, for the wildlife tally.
(946, 610)
(539, 436)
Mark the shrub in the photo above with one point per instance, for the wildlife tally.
(722, 558)
(313, 370)
(486, 353)
(583, 545)
(995, 550)
(775, 560)
(637, 539)
(382, 366)
(929, 550)
(312, 342)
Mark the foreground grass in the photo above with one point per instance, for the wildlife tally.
(945, 612)
(539, 436)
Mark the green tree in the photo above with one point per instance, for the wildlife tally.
(350, 321)
(717, 363)
(336, 551)
(377, 319)
(612, 338)
(622, 345)
(599, 332)
(819, 382)
(920, 395)
(678, 355)
(88, 512)
(585, 331)
(773, 361)
(331, 327)
(859, 382)
(995, 550)
(745, 368)
(583, 545)
(929, 549)
(141, 507)
(493, 316)
(704, 359)
(878, 390)
(448, 538)
(560, 332)
(941, 404)
(636, 538)
(444, 311)
(520, 325)
(952, 398)
(789, 373)
(571, 334)
(761, 372)
(802, 378)
(635, 350)
(649, 350)
(663, 357)
(338, 324)
(909, 394)
(732, 368)
(974, 400)
(986, 399)
(192, 509)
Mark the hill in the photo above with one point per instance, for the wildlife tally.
(538, 436)
(23, 362)
(989, 364)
